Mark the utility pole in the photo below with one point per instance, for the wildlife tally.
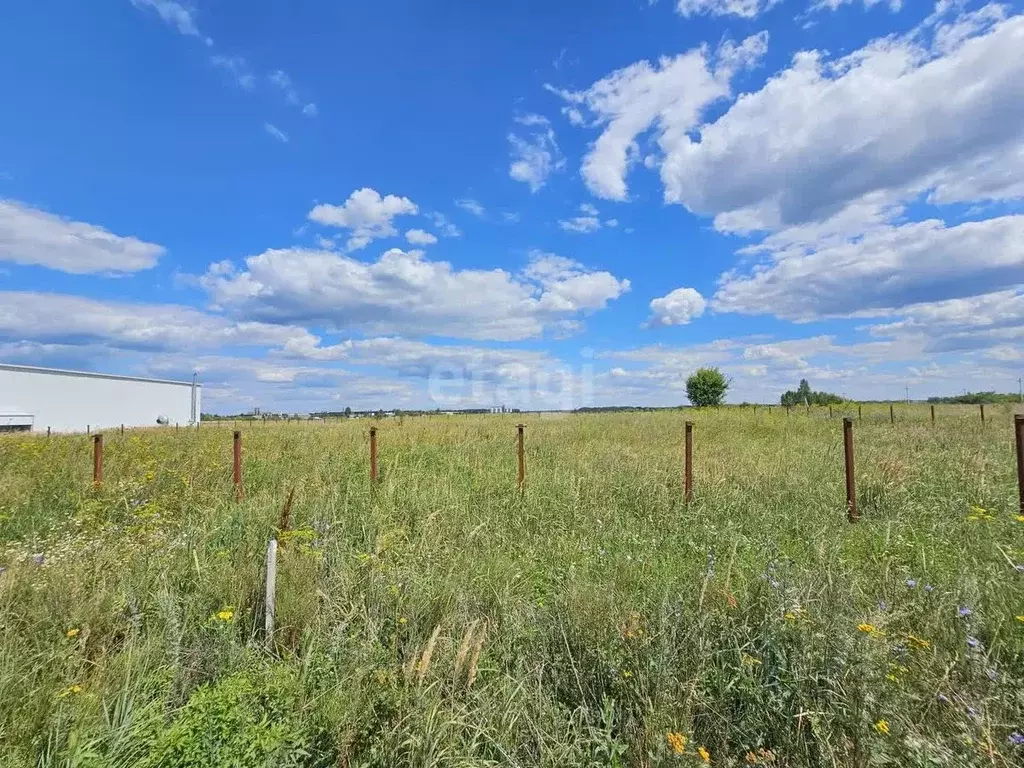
(908, 394)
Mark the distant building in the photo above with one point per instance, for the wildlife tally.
(37, 399)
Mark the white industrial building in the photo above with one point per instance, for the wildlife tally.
(38, 399)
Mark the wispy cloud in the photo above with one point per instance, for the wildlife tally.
(176, 15)
(276, 132)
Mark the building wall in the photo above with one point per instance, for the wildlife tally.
(67, 401)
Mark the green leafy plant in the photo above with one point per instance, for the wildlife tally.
(706, 386)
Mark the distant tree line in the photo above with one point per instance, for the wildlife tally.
(805, 396)
(977, 398)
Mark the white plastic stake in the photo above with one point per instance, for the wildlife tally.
(271, 588)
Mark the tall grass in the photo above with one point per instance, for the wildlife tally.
(444, 618)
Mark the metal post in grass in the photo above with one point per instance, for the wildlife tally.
(933, 414)
(1018, 428)
(851, 491)
(122, 429)
(830, 411)
(270, 595)
(237, 474)
(688, 463)
(521, 455)
(982, 407)
(860, 413)
(47, 431)
(373, 455)
(892, 415)
(97, 460)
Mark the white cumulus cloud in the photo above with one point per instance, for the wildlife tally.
(406, 293)
(368, 215)
(537, 156)
(31, 236)
(677, 308)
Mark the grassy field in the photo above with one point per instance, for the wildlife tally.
(447, 619)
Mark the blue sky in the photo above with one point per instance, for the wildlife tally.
(410, 204)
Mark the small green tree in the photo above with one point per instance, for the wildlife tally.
(706, 386)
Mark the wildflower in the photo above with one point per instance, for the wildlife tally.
(883, 606)
(626, 674)
(1020, 518)
(972, 712)
(973, 642)
(750, 759)
(1020, 619)
(71, 690)
(917, 642)
(911, 584)
(704, 754)
(403, 620)
(942, 698)
(790, 616)
(1016, 739)
(73, 632)
(749, 661)
(928, 588)
(882, 726)
(964, 612)
(226, 614)
(676, 741)
(866, 628)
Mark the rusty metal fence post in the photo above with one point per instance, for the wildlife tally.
(97, 460)
(237, 474)
(851, 491)
(1018, 428)
(892, 415)
(982, 407)
(521, 455)
(373, 455)
(688, 463)
(860, 413)
(933, 414)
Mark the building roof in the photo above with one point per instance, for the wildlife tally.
(89, 374)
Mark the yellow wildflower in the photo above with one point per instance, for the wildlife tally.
(704, 754)
(882, 726)
(73, 632)
(790, 617)
(676, 741)
(749, 661)
(71, 690)
(1020, 518)
(917, 642)
(403, 620)
(866, 627)
(226, 614)
(750, 759)
(626, 675)
(1020, 619)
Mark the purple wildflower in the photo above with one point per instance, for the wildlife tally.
(883, 606)
(973, 642)
(911, 584)
(972, 712)
(942, 698)
(928, 588)
(1017, 739)
(964, 612)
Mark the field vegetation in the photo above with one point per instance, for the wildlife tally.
(446, 619)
